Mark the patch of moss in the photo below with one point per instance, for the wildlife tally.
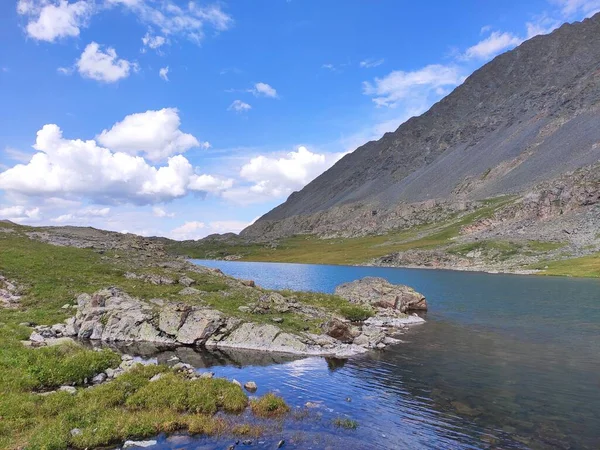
(356, 313)
(344, 422)
(269, 406)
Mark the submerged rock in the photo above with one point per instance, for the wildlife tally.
(380, 293)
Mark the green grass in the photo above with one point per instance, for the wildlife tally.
(344, 422)
(349, 251)
(356, 313)
(586, 266)
(269, 406)
(130, 407)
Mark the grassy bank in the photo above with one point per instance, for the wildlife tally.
(586, 266)
(349, 251)
(130, 407)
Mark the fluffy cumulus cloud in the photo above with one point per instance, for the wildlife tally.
(153, 134)
(399, 85)
(67, 168)
(239, 106)
(52, 20)
(497, 42)
(103, 66)
(275, 177)
(264, 90)
(20, 214)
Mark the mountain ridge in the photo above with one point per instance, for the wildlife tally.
(528, 116)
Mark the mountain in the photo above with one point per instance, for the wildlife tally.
(526, 118)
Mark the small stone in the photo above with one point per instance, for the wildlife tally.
(311, 405)
(126, 358)
(249, 283)
(277, 319)
(100, 378)
(68, 389)
(251, 386)
(186, 281)
(380, 346)
(128, 444)
(281, 443)
(75, 432)
(231, 447)
(236, 382)
(36, 337)
(247, 442)
(244, 309)
(189, 291)
(348, 399)
(110, 373)
(207, 374)
(25, 324)
(156, 377)
(66, 306)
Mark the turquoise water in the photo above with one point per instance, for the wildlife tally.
(503, 362)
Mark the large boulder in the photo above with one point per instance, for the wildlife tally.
(380, 293)
(112, 315)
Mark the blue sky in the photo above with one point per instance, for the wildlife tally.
(183, 119)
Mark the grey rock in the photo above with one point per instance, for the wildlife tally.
(251, 386)
(186, 281)
(156, 377)
(207, 375)
(380, 293)
(142, 444)
(100, 378)
(75, 432)
(68, 389)
(189, 291)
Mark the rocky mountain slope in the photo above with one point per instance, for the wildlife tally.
(517, 126)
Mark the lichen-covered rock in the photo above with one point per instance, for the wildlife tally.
(199, 325)
(380, 293)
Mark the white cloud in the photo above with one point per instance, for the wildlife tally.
(189, 21)
(239, 106)
(65, 70)
(494, 44)
(194, 230)
(50, 20)
(81, 169)
(328, 66)
(189, 230)
(263, 89)
(164, 73)
(209, 183)
(399, 85)
(20, 214)
(102, 66)
(571, 8)
(160, 212)
(152, 41)
(541, 25)
(368, 63)
(155, 134)
(277, 176)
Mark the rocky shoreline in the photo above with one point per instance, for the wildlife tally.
(113, 316)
